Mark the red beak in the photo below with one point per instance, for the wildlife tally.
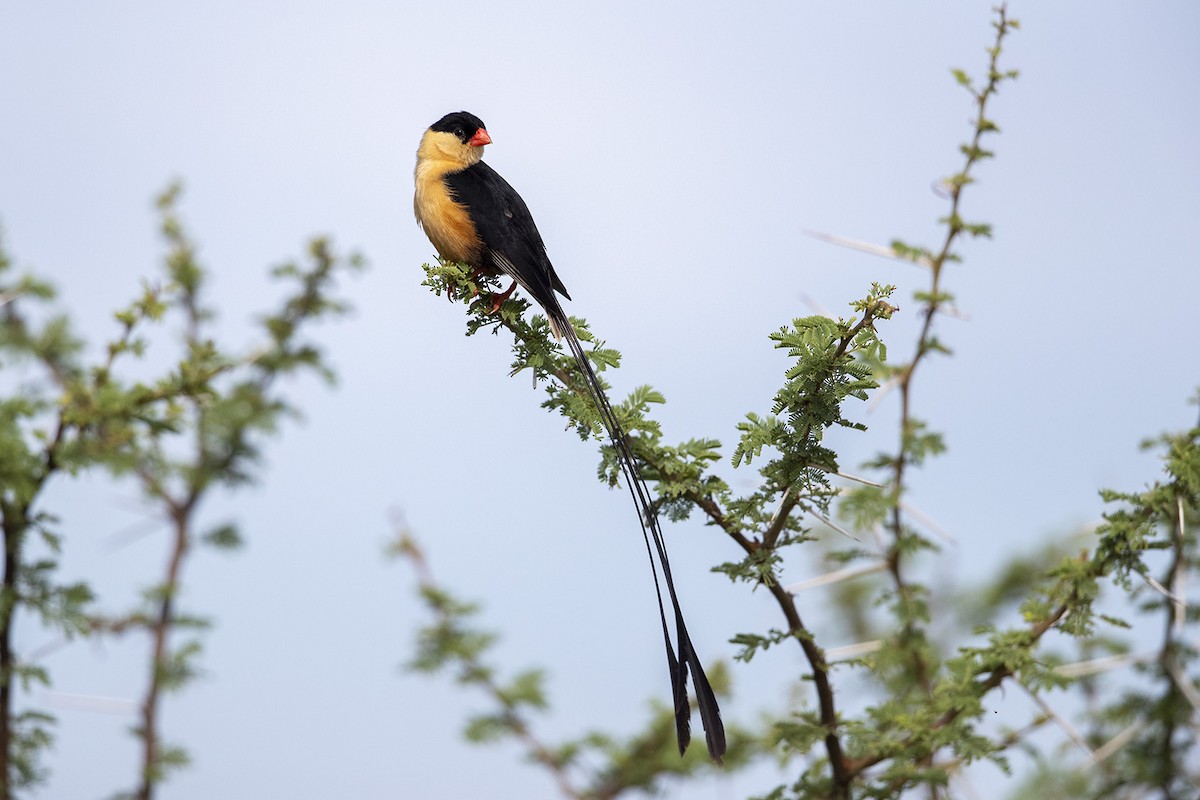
(480, 138)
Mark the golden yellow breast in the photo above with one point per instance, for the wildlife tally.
(445, 221)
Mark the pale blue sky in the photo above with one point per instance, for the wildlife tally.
(672, 155)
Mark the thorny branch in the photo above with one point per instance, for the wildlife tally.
(480, 675)
(16, 520)
(220, 446)
(786, 601)
(927, 344)
(768, 542)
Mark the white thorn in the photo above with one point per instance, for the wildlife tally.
(852, 650)
(834, 525)
(836, 577)
(1098, 665)
(1070, 729)
(867, 247)
(1116, 743)
(857, 479)
(928, 522)
(1183, 682)
(1164, 591)
(89, 702)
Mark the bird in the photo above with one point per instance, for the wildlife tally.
(473, 216)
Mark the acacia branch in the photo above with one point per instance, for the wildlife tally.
(14, 525)
(786, 602)
(796, 628)
(926, 343)
(160, 629)
(480, 675)
(1175, 610)
(220, 445)
(994, 678)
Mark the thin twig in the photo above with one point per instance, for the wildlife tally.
(513, 721)
(779, 518)
(925, 346)
(160, 631)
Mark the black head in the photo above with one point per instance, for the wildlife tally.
(461, 123)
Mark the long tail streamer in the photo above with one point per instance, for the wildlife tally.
(706, 700)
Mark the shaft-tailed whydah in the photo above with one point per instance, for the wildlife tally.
(474, 217)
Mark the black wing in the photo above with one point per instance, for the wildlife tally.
(511, 241)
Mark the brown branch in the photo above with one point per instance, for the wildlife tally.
(160, 630)
(15, 525)
(13, 529)
(537, 750)
(812, 653)
(1168, 663)
(925, 344)
(180, 513)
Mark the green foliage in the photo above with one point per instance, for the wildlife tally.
(31, 737)
(751, 643)
(452, 643)
(195, 427)
(224, 537)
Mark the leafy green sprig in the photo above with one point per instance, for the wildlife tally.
(194, 428)
(595, 766)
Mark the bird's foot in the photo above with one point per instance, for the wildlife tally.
(498, 299)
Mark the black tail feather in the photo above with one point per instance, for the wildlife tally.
(679, 695)
(706, 700)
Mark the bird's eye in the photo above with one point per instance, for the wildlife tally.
(459, 132)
